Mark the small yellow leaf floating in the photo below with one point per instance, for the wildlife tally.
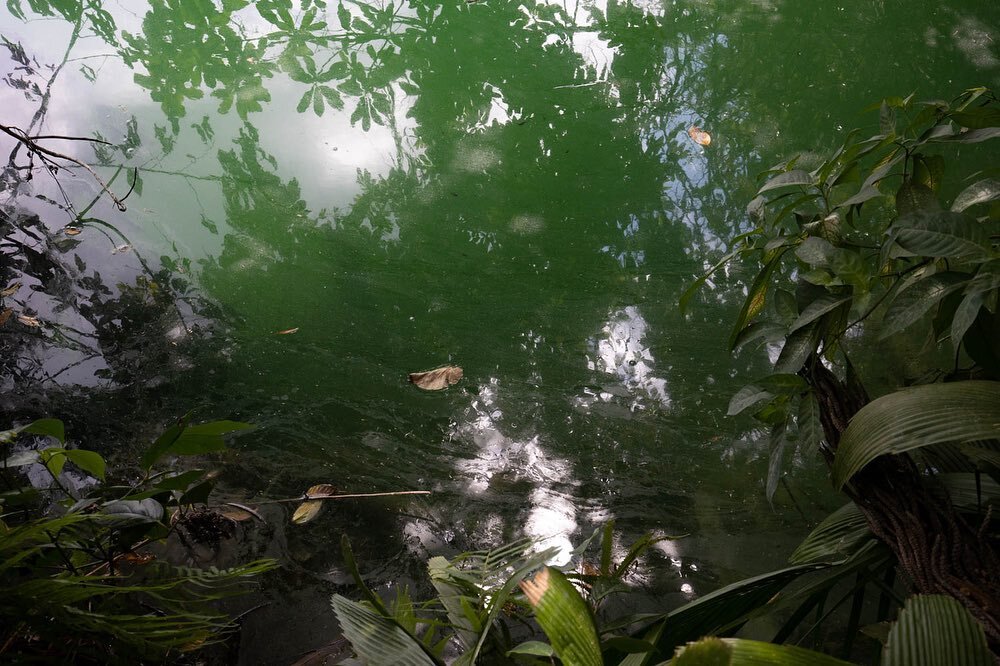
(437, 379)
(11, 290)
(311, 508)
(29, 321)
(72, 231)
(287, 331)
(5, 315)
(699, 136)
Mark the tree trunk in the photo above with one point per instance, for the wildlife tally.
(936, 547)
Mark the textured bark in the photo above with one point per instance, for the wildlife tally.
(936, 547)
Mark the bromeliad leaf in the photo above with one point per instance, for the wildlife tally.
(916, 417)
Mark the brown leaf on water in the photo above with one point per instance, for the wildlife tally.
(239, 512)
(699, 136)
(138, 558)
(5, 315)
(309, 509)
(28, 320)
(437, 379)
(72, 231)
(287, 331)
(11, 290)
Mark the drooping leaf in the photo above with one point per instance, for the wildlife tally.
(817, 309)
(793, 177)
(936, 629)
(564, 616)
(940, 234)
(914, 302)
(88, 461)
(915, 417)
(377, 639)
(745, 652)
(747, 397)
(50, 427)
(766, 331)
(437, 379)
(309, 509)
(836, 538)
(981, 191)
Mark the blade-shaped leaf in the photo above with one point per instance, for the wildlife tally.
(936, 629)
(564, 616)
(915, 417)
(940, 234)
(910, 305)
(817, 309)
(837, 537)
(810, 428)
(745, 652)
(793, 177)
(747, 397)
(982, 191)
(776, 455)
(378, 639)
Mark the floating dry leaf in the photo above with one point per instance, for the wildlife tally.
(437, 379)
(72, 231)
(535, 588)
(121, 248)
(310, 508)
(699, 136)
(28, 320)
(287, 331)
(138, 558)
(11, 290)
(5, 315)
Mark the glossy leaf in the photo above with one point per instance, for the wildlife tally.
(915, 417)
(940, 234)
(909, 306)
(936, 629)
(89, 461)
(533, 649)
(564, 616)
(979, 192)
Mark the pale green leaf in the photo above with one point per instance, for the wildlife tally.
(793, 177)
(836, 538)
(936, 629)
(377, 639)
(745, 652)
(564, 616)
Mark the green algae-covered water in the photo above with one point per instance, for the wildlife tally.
(505, 186)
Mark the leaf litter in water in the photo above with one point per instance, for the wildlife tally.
(437, 379)
(699, 136)
(5, 315)
(310, 508)
(11, 290)
(28, 320)
(72, 231)
(287, 331)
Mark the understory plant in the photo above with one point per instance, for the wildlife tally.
(80, 584)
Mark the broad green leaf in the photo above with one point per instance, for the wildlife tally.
(836, 538)
(785, 306)
(936, 629)
(798, 346)
(163, 443)
(793, 177)
(143, 511)
(850, 268)
(180, 481)
(54, 459)
(181, 440)
(817, 309)
(963, 490)
(915, 417)
(89, 461)
(972, 136)
(378, 639)
(815, 251)
(50, 427)
(910, 305)
(756, 297)
(913, 197)
(940, 234)
(810, 428)
(979, 118)
(766, 331)
(745, 652)
(747, 397)
(564, 616)
(979, 192)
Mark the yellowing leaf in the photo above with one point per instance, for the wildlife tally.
(309, 509)
(11, 290)
(5, 315)
(29, 321)
(437, 379)
(699, 136)
(287, 331)
(72, 231)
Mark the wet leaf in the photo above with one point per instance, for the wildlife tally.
(28, 320)
(5, 315)
(309, 509)
(437, 379)
(287, 331)
(121, 248)
(11, 290)
(699, 136)
(72, 231)
(239, 512)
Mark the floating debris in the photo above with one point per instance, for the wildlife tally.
(437, 379)
(699, 136)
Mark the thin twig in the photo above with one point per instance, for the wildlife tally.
(307, 497)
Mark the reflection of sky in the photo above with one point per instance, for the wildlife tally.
(622, 351)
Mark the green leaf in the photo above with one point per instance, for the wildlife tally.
(836, 538)
(180, 481)
(184, 440)
(936, 629)
(887, 119)
(760, 330)
(980, 118)
(54, 459)
(756, 297)
(89, 461)
(798, 346)
(534, 649)
(979, 192)
(913, 197)
(304, 102)
(817, 309)
(747, 397)
(378, 639)
(815, 251)
(793, 177)
(50, 427)
(694, 286)
(915, 417)
(940, 234)
(564, 616)
(810, 428)
(913, 303)
(776, 455)
(143, 511)
(745, 652)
